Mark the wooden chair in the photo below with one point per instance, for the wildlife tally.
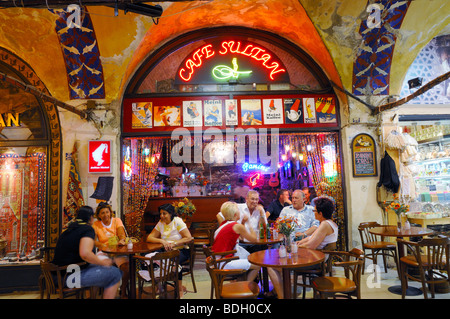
(55, 278)
(231, 290)
(161, 270)
(203, 234)
(431, 265)
(46, 255)
(188, 265)
(309, 274)
(348, 286)
(219, 261)
(376, 245)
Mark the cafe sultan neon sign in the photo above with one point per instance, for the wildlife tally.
(236, 50)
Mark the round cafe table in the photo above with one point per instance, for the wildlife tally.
(138, 248)
(271, 258)
(400, 232)
(264, 243)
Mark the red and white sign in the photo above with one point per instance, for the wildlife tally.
(99, 156)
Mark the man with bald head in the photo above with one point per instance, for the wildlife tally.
(302, 214)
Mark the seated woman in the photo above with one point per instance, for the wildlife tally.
(226, 238)
(110, 229)
(171, 231)
(327, 232)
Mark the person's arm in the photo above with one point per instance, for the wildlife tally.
(155, 237)
(220, 218)
(244, 233)
(317, 237)
(86, 253)
(185, 238)
(122, 235)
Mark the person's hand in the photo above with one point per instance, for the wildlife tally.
(300, 234)
(106, 262)
(167, 245)
(122, 242)
(244, 219)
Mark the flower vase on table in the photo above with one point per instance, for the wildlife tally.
(287, 243)
(400, 210)
(286, 226)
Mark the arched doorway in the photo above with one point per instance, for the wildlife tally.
(30, 159)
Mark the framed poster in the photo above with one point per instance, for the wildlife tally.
(99, 156)
(273, 111)
(213, 112)
(192, 113)
(364, 156)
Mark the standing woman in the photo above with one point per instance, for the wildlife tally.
(109, 228)
(171, 231)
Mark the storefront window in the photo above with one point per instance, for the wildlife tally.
(23, 173)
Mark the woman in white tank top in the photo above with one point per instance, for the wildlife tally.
(327, 232)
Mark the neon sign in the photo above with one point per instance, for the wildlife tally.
(251, 52)
(329, 166)
(254, 167)
(224, 72)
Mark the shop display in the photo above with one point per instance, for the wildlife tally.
(431, 171)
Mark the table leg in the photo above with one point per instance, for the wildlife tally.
(132, 281)
(410, 291)
(287, 283)
(265, 279)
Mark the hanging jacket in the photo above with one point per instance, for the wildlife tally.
(388, 174)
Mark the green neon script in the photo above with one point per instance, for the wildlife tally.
(224, 72)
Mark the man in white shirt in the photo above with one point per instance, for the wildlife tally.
(250, 213)
(303, 215)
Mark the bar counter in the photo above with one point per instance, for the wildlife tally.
(207, 208)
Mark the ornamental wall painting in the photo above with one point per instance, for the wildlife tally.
(22, 201)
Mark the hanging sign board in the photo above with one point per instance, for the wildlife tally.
(99, 156)
(364, 156)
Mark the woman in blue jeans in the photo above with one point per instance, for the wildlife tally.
(75, 245)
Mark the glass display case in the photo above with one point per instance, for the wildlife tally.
(430, 170)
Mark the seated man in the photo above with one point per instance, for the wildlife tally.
(251, 214)
(76, 244)
(302, 214)
(274, 209)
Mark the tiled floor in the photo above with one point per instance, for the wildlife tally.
(369, 288)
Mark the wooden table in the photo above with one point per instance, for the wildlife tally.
(270, 258)
(394, 231)
(265, 243)
(138, 248)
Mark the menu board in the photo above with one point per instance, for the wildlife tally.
(364, 156)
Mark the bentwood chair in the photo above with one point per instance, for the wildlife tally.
(161, 271)
(348, 286)
(188, 265)
(219, 261)
(55, 278)
(231, 290)
(203, 234)
(310, 272)
(434, 266)
(376, 245)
